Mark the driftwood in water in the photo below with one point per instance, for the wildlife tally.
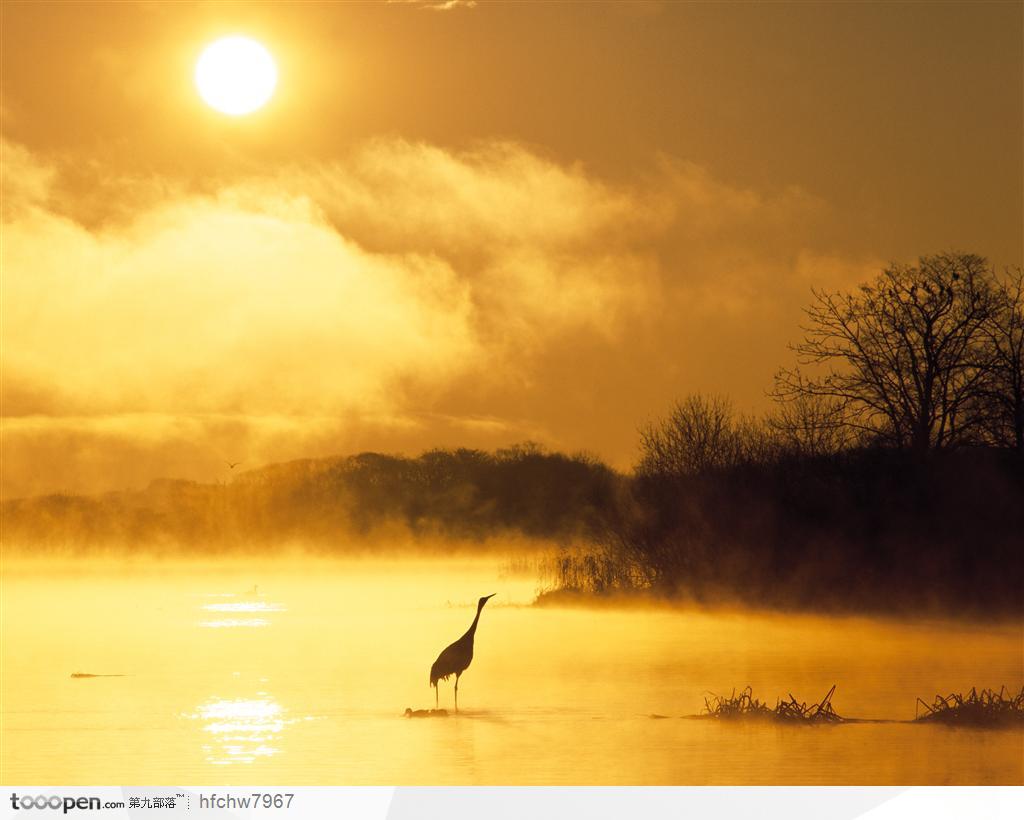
(90, 675)
(984, 708)
(746, 706)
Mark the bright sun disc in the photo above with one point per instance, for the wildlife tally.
(236, 75)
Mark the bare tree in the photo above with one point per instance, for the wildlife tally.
(701, 433)
(899, 358)
(1003, 339)
(810, 426)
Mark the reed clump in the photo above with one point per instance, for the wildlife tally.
(986, 707)
(745, 706)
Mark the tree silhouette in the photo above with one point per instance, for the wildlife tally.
(1003, 340)
(698, 435)
(901, 359)
(809, 426)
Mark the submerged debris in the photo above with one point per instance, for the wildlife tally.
(746, 707)
(984, 708)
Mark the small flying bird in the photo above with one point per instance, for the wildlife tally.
(232, 465)
(456, 657)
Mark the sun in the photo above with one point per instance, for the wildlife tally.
(236, 75)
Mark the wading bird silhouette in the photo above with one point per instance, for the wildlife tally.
(456, 658)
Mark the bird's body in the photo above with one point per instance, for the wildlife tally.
(456, 657)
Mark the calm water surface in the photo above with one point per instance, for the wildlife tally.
(297, 672)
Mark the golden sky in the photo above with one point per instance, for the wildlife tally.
(462, 224)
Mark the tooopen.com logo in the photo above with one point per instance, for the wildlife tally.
(55, 801)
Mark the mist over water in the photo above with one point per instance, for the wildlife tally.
(298, 670)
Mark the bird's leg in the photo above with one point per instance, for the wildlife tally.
(456, 694)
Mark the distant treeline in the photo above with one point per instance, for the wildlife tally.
(338, 505)
(859, 529)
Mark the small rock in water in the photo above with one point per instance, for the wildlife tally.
(410, 712)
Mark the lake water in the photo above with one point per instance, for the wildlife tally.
(298, 672)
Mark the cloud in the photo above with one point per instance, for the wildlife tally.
(544, 248)
(25, 183)
(354, 292)
(401, 297)
(202, 304)
(438, 5)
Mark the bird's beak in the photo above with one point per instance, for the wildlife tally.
(488, 597)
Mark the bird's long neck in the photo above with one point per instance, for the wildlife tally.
(472, 627)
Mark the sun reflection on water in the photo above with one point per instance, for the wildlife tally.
(241, 607)
(243, 729)
(230, 622)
